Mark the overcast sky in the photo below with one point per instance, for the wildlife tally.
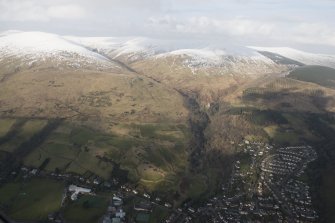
(303, 24)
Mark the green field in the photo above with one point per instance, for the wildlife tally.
(282, 136)
(5, 125)
(158, 213)
(162, 131)
(69, 151)
(87, 209)
(31, 200)
(245, 162)
(153, 155)
(75, 149)
(28, 130)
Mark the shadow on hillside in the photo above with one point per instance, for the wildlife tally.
(289, 98)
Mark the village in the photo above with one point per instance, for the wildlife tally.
(142, 205)
(266, 184)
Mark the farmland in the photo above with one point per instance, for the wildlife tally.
(152, 154)
(31, 200)
(86, 209)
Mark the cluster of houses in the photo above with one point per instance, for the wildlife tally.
(115, 212)
(275, 194)
(284, 183)
(297, 196)
(286, 160)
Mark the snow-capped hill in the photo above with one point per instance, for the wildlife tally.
(131, 49)
(38, 46)
(300, 56)
(216, 56)
(229, 58)
(103, 44)
(9, 32)
(135, 49)
(99, 52)
(232, 60)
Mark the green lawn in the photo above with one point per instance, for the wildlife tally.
(281, 136)
(31, 200)
(143, 217)
(158, 215)
(87, 209)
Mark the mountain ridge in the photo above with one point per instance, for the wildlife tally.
(39, 45)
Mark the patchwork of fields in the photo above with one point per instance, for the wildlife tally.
(153, 154)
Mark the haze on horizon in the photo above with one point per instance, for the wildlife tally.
(303, 24)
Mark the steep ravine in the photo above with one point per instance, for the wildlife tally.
(198, 121)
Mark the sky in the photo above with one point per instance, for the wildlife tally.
(303, 24)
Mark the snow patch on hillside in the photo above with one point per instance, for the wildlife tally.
(300, 56)
(131, 48)
(39, 46)
(221, 58)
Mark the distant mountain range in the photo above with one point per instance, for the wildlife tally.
(101, 51)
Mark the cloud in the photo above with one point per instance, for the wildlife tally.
(21, 11)
(233, 27)
(32, 10)
(66, 12)
(311, 33)
(207, 25)
(256, 22)
(275, 31)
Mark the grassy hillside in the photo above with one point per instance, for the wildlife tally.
(324, 76)
(98, 97)
(151, 155)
